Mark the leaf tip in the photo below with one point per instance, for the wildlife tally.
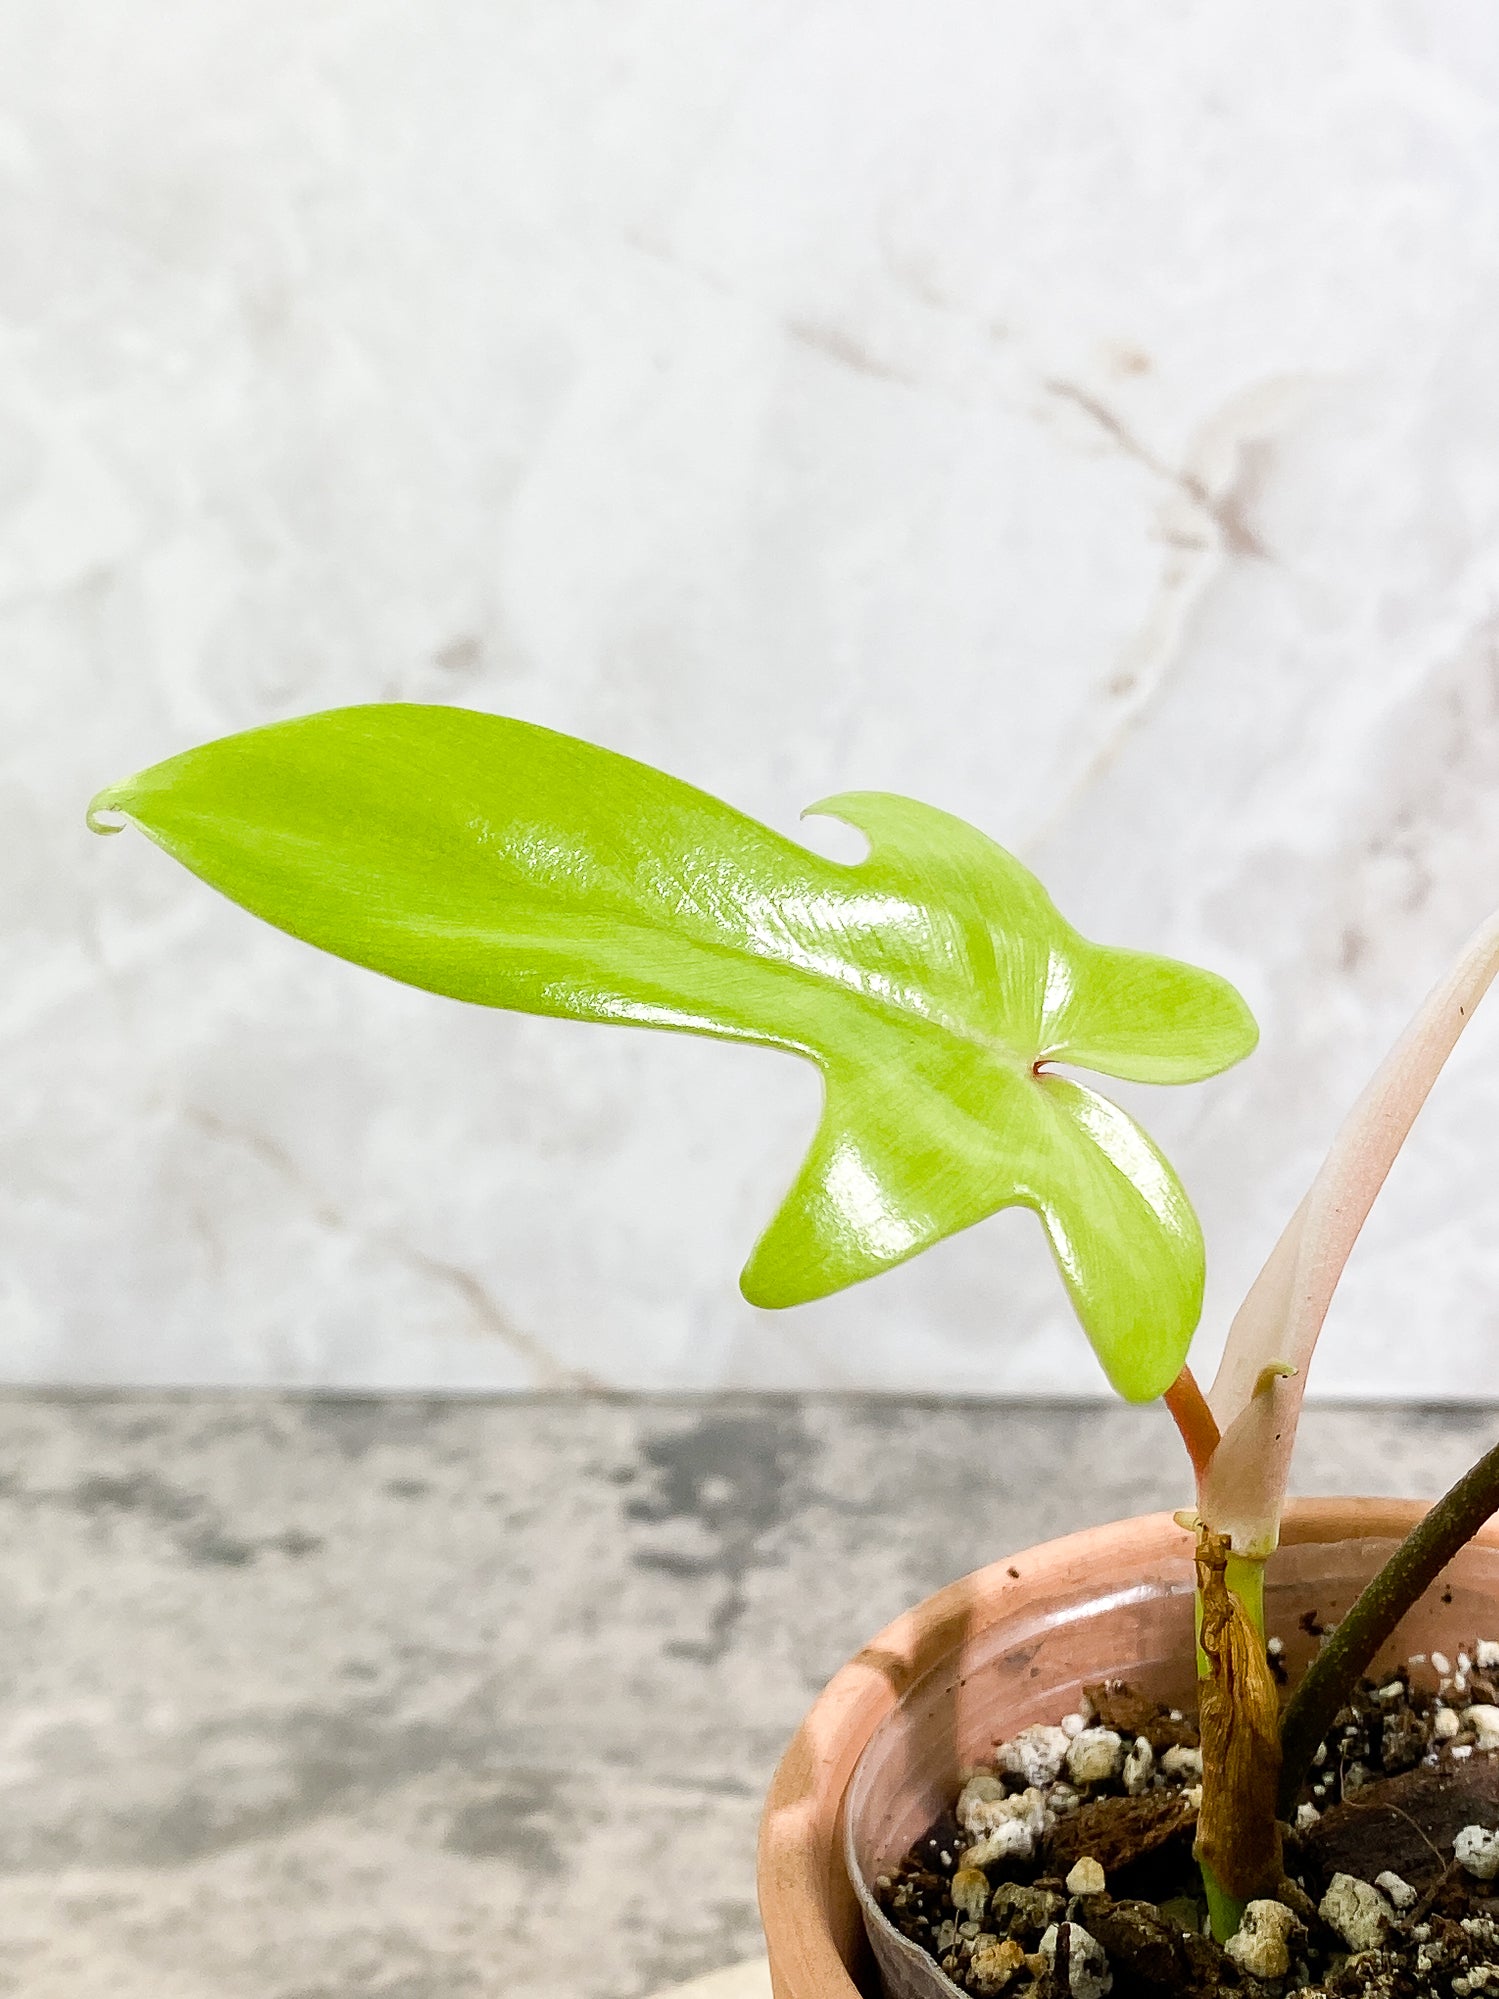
(1249, 1027)
(1270, 1374)
(836, 808)
(763, 1287)
(820, 808)
(107, 801)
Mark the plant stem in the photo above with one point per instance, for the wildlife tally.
(1192, 1416)
(1225, 1911)
(1245, 1576)
(1404, 1579)
(1238, 1801)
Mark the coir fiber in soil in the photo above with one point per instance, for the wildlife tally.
(1072, 1874)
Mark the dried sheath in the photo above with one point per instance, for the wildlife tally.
(1237, 1836)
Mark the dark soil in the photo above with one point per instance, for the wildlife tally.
(1399, 1776)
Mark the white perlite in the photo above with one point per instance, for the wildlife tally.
(1012, 1839)
(1139, 1767)
(1399, 1890)
(1484, 1722)
(1446, 1724)
(1488, 1655)
(1036, 1754)
(979, 1792)
(1182, 1762)
(1088, 1973)
(1262, 1943)
(1357, 1911)
(1004, 1828)
(1476, 1850)
(1087, 1877)
(1094, 1756)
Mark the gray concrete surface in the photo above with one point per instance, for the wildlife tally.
(455, 1700)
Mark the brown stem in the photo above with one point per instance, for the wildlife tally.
(1192, 1416)
(1404, 1579)
(1238, 1841)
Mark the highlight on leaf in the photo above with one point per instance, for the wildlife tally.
(934, 982)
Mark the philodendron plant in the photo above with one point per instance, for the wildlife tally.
(941, 993)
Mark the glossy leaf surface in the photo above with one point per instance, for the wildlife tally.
(934, 983)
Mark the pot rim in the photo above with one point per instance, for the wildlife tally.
(807, 1906)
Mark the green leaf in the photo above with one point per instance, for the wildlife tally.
(933, 982)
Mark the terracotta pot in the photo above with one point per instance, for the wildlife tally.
(1014, 1643)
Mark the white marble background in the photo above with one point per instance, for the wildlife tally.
(1084, 418)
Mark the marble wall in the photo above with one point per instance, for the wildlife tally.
(1086, 419)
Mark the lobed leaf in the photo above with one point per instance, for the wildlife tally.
(933, 982)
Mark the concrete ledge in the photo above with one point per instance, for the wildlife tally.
(455, 1700)
(740, 1981)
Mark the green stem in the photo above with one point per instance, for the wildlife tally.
(1225, 1911)
(1404, 1579)
(1245, 1576)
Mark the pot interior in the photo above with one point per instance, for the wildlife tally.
(1034, 1665)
